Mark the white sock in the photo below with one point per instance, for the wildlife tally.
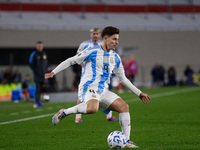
(80, 108)
(109, 115)
(78, 116)
(124, 120)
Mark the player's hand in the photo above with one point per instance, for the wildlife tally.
(49, 75)
(145, 98)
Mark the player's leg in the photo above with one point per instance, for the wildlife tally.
(124, 119)
(110, 117)
(78, 116)
(37, 92)
(89, 107)
(90, 104)
(37, 95)
(111, 101)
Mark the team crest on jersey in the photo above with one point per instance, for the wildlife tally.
(112, 60)
(44, 57)
(106, 59)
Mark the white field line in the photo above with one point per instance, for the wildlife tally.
(26, 112)
(14, 114)
(128, 100)
(25, 119)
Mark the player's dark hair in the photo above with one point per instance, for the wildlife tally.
(39, 42)
(109, 31)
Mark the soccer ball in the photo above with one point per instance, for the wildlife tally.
(116, 140)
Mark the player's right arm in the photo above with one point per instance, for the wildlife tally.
(77, 59)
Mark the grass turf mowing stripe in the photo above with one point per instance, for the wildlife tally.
(129, 100)
(25, 119)
(164, 94)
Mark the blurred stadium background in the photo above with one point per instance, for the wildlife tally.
(164, 32)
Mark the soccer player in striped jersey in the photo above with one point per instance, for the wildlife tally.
(93, 42)
(100, 62)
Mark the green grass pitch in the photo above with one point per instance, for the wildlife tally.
(170, 122)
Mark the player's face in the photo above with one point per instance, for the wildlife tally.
(39, 47)
(112, 41)
(95, 35)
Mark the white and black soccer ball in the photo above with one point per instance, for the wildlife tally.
(116, 140)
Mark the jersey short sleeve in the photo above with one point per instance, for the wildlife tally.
(85, 55)
(82, 46)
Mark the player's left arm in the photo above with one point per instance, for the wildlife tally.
(119, 71)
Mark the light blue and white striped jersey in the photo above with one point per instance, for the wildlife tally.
(99, 66)
(87, 44)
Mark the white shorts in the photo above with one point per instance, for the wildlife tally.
(105, 99)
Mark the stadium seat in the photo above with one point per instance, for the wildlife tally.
(17, 94)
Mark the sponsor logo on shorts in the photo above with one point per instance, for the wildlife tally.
(93, 95)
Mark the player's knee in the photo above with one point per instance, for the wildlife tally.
(91, 110)
(125, 108)
(78, 101)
